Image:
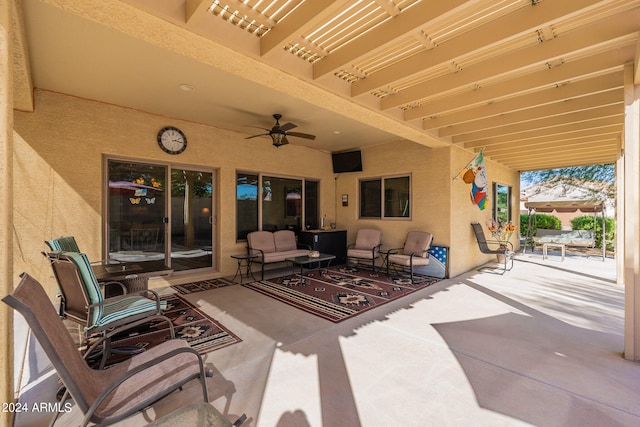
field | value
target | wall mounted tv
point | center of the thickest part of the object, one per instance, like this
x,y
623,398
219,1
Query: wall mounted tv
x,y
347,161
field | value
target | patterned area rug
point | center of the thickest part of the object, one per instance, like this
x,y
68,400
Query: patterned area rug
x,y
204,285
338,293
203,333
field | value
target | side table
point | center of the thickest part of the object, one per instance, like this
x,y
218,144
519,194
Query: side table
x,y
245,261
545,247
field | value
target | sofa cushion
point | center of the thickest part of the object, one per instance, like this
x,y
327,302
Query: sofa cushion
x,y
285,240
281,256
262,240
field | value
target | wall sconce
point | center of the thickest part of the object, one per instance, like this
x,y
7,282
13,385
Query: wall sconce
x,y
345,200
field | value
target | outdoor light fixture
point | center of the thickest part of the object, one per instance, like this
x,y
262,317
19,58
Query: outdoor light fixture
x,y
277,138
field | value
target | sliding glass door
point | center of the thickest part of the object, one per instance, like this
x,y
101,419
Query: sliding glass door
x,y
156,212
192,219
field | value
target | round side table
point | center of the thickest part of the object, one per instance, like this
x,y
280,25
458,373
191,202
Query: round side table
x,y
244,261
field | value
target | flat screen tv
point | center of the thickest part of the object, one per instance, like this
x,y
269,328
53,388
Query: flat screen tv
x,y
348,161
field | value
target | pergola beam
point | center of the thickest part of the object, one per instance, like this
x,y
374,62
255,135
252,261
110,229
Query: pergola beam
x,y
606,104
384,34
543,79
496,31
535,56
546,98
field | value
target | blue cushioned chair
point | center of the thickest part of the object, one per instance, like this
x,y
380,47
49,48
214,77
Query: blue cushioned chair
x,y
82,301
65,243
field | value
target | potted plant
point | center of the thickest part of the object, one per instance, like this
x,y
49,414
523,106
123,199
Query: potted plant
x,y
501,232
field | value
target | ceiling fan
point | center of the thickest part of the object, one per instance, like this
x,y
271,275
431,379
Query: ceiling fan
x,y
279,133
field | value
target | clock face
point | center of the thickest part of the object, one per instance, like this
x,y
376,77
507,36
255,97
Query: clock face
x,y
172,140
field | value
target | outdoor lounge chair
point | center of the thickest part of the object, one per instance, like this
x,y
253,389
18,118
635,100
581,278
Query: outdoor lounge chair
x,y
69,244
82,302
366,247
64,243
504,250
105,396
414,252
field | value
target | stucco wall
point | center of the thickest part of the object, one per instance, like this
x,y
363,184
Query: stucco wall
x,y
440,204
429,189
58,187
59,161
463,212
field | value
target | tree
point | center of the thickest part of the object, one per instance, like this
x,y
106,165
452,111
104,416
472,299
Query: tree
x,y
603,172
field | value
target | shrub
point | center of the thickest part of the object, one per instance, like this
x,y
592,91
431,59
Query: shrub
x,y
586,222
547,222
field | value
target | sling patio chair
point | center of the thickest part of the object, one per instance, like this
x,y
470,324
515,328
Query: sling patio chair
x,y
366,248
82,302
414,253
110,395
69,244
504,250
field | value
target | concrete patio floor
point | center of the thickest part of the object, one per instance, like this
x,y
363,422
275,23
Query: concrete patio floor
x,y
541,345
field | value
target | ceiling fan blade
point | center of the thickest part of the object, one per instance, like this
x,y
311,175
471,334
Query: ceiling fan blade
x,y
285,127
301,135
255,136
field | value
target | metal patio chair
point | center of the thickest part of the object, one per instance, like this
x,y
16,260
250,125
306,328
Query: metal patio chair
x,y
504,250
82,302
105,396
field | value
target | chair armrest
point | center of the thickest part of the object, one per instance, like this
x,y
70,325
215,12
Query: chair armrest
x,y
122,328
303,246
392,251
250,250
149,294
419,253
499,242
103,285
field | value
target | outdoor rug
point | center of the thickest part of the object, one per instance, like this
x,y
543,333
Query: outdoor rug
x,y
338,293
202,332
204,285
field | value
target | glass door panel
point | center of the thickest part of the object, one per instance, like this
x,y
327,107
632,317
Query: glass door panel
x,y
192,219
136,211
281,204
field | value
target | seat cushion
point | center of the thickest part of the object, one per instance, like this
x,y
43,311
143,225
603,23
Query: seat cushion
x,y
417,241
123,308
284,240
368,238
361,253
262,240
406,260
281,256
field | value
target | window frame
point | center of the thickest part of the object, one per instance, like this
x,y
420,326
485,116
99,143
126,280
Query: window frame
x,y
495,204
260,199
383,197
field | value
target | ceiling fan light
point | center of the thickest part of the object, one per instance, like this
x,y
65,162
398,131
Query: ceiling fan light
x,y
277,138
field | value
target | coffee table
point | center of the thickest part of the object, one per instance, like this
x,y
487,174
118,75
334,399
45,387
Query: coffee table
x,y
547,245
307,261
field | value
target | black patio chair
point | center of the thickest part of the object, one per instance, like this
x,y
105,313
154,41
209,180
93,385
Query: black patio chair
x,y
505,249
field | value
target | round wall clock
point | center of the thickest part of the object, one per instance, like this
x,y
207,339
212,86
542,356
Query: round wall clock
x,y
172,140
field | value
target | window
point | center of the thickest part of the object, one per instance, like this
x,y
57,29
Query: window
x,y
501,202
246,204
274,203
385,197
